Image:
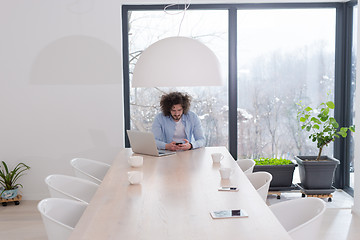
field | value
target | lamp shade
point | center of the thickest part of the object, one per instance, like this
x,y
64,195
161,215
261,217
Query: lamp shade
x,y
177,62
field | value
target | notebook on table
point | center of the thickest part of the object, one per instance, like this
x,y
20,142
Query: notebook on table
x,y
144,143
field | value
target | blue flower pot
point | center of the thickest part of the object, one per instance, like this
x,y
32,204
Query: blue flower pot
x,y
8,194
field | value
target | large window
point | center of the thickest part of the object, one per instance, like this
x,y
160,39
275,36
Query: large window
x,y
272,57
284,57
353,81
210,103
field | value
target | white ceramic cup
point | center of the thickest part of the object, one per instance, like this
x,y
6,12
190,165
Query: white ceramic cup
x,y
225,172
135,177
217,157
136,161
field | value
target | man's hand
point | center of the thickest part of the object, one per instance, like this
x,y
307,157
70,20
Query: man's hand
x,y
172,146
185,146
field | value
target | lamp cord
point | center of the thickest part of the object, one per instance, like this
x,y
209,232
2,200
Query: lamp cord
x,y
186,6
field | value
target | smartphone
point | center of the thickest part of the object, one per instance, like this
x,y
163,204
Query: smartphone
x,y
178,143
231,189
234,213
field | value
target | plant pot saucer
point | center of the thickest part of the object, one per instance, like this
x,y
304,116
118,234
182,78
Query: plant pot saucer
x,y
316,191
292,187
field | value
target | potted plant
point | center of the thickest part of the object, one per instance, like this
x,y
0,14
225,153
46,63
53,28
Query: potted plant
x,y
317,172
281,169
9,178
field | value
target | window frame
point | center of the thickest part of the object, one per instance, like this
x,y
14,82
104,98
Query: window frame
x,y
342,88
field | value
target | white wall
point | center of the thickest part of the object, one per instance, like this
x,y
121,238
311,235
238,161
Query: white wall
x,y
356,207
61,84
222,1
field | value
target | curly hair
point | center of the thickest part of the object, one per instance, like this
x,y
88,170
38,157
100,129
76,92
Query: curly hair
x,y
169,100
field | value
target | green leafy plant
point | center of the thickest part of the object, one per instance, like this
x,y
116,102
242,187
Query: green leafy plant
x,y
8,178
272,161
322,127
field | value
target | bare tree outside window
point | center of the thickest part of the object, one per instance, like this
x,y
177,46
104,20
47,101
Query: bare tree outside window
x,y
285,56
353,87
210,103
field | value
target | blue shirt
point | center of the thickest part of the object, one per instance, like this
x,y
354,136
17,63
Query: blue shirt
x,y
164,128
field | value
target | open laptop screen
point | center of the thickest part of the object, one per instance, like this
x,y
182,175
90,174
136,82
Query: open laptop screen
x,y
144,143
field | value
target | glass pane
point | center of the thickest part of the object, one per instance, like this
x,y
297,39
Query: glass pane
x,y
353,81
210,103
284,56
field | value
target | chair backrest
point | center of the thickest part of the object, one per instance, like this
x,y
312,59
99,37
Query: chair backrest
x,y
301,217
60,216
89,169
62,186
261,182
246,165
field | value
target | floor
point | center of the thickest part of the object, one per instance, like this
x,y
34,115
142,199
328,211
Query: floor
x,y
338,222
23,222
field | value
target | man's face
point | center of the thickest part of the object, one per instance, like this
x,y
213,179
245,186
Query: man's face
x,y
176,112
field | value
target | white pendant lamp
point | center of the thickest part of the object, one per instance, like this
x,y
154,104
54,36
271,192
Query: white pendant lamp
x,y
177,62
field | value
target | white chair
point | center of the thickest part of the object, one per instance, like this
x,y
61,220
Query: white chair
x,y
261,182
62,186
89,169
60,216
300,217
246,165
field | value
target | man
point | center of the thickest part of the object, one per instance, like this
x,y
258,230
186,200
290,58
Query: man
x,y
177,128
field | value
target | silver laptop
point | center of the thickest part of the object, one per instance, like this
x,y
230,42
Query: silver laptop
x,y
144,143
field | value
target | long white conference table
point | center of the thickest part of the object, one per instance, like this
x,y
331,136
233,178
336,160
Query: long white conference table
x,y
174,201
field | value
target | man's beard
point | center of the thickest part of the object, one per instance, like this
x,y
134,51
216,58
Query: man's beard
x,y
176,117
